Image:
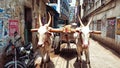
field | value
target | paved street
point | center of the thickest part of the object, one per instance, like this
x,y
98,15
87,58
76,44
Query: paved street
x,y
101,57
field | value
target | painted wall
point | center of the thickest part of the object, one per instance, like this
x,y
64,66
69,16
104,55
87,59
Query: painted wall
x,y
9,10
110,11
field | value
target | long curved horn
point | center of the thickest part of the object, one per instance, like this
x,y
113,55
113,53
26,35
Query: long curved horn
x,y
49,19
80,21
40,22
89,21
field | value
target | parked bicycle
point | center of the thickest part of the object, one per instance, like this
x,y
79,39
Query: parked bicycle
x,y
64,35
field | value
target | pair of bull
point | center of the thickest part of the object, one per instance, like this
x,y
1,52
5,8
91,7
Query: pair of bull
x,y
81,35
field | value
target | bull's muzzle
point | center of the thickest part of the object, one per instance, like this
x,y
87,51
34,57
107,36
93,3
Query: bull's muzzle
x,y
40,44
85,46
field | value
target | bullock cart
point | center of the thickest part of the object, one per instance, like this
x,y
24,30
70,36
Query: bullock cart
x,y
64,35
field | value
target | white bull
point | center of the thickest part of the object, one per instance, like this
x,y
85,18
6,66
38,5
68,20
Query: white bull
x,y
44,43
82,41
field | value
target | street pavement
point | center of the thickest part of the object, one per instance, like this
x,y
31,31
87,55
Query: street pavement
x,y
100,57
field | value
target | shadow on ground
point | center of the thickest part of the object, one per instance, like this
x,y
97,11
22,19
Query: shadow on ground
x,y
77,64
69,54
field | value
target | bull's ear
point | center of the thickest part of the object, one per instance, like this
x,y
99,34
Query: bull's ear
x,y
48,33
34,30
78,29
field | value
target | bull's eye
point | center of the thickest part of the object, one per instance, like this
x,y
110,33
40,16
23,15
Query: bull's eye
x,y
81,33
46,32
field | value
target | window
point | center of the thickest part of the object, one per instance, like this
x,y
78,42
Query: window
x,y
53,1
99,25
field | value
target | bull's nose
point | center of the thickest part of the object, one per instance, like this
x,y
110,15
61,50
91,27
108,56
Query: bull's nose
x,y
40,44
85,45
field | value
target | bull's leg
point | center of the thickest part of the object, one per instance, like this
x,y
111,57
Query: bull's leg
x,y
46,54
37,66
45,65
42,65
87,57
38,62
46,58
79,57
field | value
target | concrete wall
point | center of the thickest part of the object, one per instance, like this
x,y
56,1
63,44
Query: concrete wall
x,y
16,11
109,11
108,42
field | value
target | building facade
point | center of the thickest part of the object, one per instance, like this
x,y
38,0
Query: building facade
x,y
106,18
72,14
62,8
106,15
20,16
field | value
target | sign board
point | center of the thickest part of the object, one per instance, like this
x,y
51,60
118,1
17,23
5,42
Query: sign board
x,y
13,26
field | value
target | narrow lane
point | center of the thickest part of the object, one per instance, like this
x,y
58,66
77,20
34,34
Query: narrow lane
x,y
101,57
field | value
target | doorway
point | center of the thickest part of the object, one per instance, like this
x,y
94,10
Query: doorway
x,y
111,28
28,24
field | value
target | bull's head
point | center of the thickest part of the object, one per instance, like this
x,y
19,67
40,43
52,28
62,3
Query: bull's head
x,y
84,32
43,31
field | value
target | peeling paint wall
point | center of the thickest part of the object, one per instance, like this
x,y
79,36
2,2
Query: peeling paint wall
x,y
109,11
14,10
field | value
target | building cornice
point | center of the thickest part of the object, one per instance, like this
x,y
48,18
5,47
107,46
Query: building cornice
x,y
98,10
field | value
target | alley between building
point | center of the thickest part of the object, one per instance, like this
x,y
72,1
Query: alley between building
x,y
100,56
